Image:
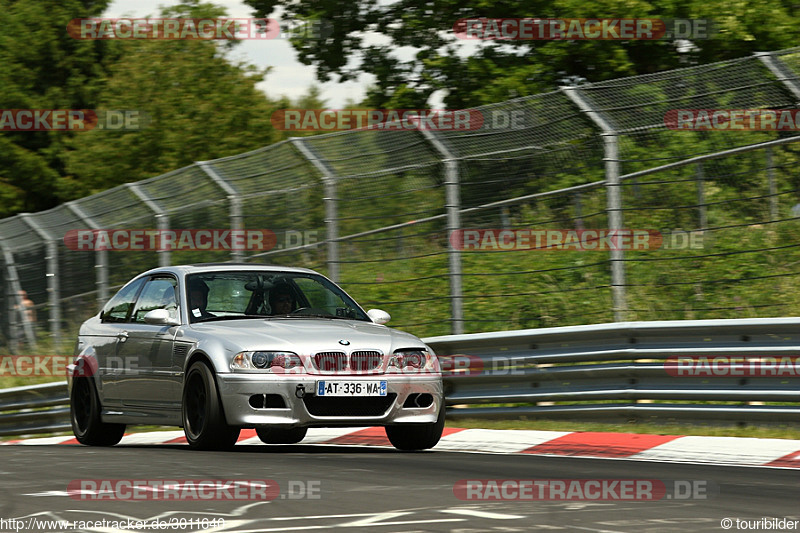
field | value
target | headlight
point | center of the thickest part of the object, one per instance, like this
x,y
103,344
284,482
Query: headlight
x,y
412,360
265,360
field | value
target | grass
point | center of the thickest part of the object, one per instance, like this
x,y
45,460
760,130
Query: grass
x,y
10,371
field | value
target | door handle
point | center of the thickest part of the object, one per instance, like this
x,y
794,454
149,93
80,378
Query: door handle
x,y
122,336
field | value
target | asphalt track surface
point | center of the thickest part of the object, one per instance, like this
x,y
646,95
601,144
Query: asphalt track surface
x,y
359,488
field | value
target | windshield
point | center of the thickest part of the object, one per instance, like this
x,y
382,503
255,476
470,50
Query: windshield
x,y
231,295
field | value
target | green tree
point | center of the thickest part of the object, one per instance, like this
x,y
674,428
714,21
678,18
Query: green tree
x,y
311,100
197,104
41,67
499,70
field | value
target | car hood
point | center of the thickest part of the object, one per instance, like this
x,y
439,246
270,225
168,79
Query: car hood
x,y
305,336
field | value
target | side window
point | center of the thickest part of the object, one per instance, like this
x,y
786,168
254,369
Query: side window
x,y
118,308
158,293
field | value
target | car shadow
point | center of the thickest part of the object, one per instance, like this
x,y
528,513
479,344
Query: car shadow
x,y
277,448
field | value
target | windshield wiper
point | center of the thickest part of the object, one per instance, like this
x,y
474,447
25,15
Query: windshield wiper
x,y
227,317
315,315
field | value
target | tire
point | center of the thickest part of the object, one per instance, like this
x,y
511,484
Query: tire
x,y
84,414
203,419
411,437
272,435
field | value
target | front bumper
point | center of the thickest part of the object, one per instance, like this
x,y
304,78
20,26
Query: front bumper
x,y
236,390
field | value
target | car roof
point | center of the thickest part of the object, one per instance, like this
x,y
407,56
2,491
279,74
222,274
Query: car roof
x,y
225,267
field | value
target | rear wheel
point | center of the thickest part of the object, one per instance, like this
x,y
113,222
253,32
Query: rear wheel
x,y
270,435
410,437
203,420
87,424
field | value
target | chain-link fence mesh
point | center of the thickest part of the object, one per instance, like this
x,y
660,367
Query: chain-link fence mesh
x,y
379,211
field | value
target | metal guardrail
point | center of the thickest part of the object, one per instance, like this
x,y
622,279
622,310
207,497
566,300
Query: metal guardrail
x,y
602,371
620,371
34,409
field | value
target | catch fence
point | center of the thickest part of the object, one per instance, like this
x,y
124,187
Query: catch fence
x,y
381,212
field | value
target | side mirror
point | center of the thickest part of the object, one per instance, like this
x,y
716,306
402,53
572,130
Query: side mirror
x,y
378,316
159,317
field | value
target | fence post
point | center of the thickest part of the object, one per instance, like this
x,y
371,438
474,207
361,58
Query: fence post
x,y
773,189
100,256
453,206
613,194
15,309
789,79
701,196
161,216
237,219
51,245
331,204
576,202
782,72
11,297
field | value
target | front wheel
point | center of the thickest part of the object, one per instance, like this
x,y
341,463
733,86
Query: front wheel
x,y
273,435
411,437
84,413
203,420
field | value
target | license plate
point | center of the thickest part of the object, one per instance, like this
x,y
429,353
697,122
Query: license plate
x,y
351,388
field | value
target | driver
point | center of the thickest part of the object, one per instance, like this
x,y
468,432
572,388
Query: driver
x,y
281,300
198,299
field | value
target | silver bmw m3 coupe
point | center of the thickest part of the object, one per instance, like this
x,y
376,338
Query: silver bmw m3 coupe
x,y
216,348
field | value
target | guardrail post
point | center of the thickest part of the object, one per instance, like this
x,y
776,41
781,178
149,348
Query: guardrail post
x,y
161,216
236,217
613,195
100,256
51,245
328,177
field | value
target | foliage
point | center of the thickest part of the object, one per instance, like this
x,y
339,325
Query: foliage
x,y
195,103
365,37
41,67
